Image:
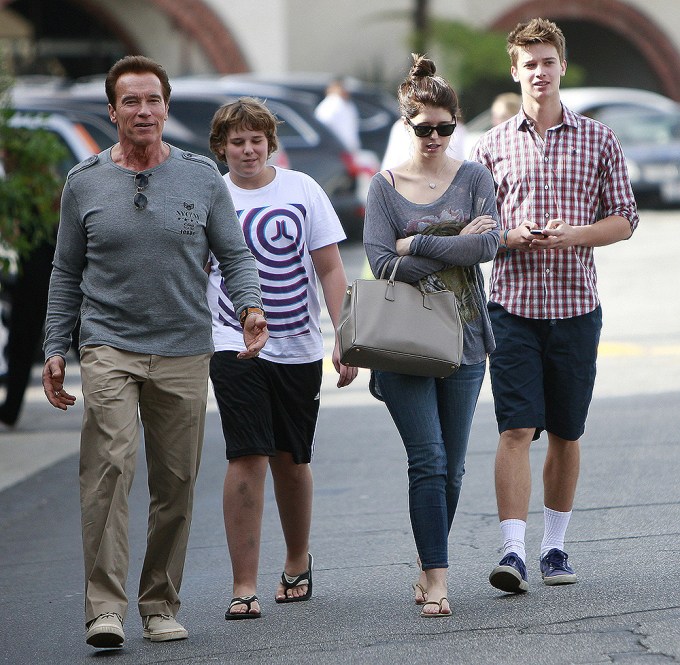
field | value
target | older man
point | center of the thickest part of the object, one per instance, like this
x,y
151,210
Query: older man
x,y
137,223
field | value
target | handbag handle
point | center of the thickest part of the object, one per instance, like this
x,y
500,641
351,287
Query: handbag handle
x,y
389,288
394,270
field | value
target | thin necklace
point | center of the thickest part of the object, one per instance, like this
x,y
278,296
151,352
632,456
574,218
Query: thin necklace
x,y
433,184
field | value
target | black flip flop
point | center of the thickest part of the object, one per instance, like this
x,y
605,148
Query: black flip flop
x,y
303,579
242,600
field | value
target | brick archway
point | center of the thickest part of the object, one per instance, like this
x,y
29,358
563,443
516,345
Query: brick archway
x,y
620,18
194,17
200,21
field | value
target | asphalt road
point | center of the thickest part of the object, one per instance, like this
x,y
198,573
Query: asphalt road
x,y
623,539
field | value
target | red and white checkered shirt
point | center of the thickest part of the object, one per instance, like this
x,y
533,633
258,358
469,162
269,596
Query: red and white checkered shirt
x,y
577,174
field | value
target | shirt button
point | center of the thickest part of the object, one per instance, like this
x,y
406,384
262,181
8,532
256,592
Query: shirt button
x,y
547,215
546,187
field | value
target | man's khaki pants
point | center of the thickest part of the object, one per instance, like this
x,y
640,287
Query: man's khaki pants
x,y
169,394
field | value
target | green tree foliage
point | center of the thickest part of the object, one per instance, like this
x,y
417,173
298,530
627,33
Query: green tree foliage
x,y
30,187
469,55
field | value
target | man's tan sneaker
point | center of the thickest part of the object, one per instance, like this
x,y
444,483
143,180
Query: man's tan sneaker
x,y
163,628
106,631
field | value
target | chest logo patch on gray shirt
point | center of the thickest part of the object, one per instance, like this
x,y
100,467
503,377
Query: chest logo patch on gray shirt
x,y
184,217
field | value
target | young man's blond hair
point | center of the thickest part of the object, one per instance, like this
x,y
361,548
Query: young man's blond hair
x,y
535,31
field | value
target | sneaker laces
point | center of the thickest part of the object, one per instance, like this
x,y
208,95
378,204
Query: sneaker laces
x,y
557,559
163,617
106,615
110,615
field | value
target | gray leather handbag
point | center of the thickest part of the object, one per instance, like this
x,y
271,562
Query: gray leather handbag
x,y
395,327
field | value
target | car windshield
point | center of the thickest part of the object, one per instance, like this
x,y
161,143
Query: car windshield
x,y
639,127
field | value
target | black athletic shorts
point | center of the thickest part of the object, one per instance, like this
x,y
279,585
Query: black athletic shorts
x,y
266,406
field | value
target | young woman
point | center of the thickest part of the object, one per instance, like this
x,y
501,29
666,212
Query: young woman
x,y
269,404
439,213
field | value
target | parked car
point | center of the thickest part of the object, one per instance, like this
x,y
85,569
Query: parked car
x,y
651,144
593,102
306,144
310,146
378,110
75,138
91,111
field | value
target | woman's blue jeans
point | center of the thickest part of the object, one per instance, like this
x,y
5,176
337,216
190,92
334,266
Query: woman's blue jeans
x,y
434,417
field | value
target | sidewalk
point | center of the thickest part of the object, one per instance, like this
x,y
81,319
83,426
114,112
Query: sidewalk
x,y
623,540
44,436
623,543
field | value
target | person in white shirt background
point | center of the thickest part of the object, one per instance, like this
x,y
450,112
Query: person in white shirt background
x,y
339,113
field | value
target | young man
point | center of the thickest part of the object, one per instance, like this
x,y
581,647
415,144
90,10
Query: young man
x,y
137,223
562,189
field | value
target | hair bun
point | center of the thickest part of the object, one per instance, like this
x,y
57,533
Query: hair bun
x,y
422,66
422,87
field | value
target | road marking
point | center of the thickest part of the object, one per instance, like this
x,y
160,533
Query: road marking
x,y
621,349
605,350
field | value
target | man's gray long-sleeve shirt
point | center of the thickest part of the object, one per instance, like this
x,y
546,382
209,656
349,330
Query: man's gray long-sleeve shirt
x,y
135,277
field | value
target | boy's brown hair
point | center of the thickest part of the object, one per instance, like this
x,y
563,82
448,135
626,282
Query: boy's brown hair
x,y
535,31
245,113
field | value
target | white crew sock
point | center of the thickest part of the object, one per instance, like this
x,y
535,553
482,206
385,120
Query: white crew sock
x,y
556,524
513,537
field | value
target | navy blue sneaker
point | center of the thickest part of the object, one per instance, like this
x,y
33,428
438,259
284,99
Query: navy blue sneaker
x,y
555,569
510,574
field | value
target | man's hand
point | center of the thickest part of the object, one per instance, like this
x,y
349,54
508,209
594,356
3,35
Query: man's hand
x,y
255,335
557,234
521,239
53,377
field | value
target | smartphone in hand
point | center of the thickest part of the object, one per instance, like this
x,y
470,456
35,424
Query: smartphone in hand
x,y
537,232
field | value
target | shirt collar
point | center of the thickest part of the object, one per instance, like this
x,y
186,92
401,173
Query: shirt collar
x,y
568,117
523,122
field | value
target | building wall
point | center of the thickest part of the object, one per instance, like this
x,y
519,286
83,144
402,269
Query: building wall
x,y
140,21
195,36
364,38
351,37
262,29
363,35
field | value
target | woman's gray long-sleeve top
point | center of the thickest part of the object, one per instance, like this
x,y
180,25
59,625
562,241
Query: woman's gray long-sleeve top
x,y
439,257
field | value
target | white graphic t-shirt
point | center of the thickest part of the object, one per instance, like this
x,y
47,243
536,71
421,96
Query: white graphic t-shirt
x,y
282,223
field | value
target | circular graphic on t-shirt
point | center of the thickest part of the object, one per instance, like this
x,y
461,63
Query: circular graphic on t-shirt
x,y
275,237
